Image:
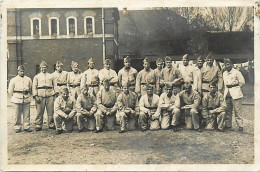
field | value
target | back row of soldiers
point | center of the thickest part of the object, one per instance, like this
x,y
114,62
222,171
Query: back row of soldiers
x,y
159,98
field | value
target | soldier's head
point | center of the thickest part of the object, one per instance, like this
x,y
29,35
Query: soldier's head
x,y
74,67
127,62
21,70
185,60
65,93
209,60
43,67
175,90
107,63
228,64
146,63
106,84
168,62
91,63
168,89
125,87
58,66
149,89
84,90
187,87
159,63
213,88
200,62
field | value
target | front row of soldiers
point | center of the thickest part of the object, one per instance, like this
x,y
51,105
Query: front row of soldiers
x,y
152,99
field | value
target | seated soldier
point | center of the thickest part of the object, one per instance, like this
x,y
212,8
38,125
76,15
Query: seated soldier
x,y
86,108
190,101
106,102
127,109
149,112
213,107
64,111
169,105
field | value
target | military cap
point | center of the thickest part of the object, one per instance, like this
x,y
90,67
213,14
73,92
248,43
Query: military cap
x,y
227,60
91,60
146,60
168,85
167,58
127,59
43,63
185,56
187,84
200,58
209,56
21,67
74,64
159,60
58,63
107,61
106,82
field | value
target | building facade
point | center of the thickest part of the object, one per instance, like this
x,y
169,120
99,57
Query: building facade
x,y
62,35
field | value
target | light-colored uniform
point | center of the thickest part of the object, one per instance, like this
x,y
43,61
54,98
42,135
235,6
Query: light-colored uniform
x,y
44,86
86,104
144,77
217,104
197,80
110,75
73,83
187,72
233,96
151,104
191,115
174,102
61,79
170,75
90,77
125,76
124,101
62,108
20,89
157,73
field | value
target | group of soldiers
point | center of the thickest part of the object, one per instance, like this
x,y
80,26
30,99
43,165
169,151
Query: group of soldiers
x,y
196,96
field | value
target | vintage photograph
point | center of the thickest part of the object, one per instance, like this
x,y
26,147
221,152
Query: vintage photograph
x,y
122,85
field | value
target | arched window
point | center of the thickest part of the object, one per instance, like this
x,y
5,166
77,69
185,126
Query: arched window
x,y
35,26
54,29
71,26
89,25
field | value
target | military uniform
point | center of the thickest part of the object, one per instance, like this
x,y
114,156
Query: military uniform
x,y
144,77
186,71
197,81
74,84
20,89
60,77
110,75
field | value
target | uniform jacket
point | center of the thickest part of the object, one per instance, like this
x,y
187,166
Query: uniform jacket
x,y
145,105
106,99
87,102
187,72
197,79
144,77
89,77
210,74
127,76
192,99
61,78
174,100
60,105
169,75
107,74
73,79
129,100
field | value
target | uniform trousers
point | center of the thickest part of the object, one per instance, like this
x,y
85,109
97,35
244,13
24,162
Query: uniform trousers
x,y
75,92
166,117
19,109
63,124
102,118
83,119
237,105
145,121
126,121
191,118
220,117
93,90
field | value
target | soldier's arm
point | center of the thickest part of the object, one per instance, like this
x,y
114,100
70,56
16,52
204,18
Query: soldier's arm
x,y
196,102
73,111
138,84
34,86
114,108
222,106
57,108
94,107
83,80
241,80
177,103
11,87
141,105
220,80
137,109
205,107
68,80
54,83
99,103
120,78
30,85
114,78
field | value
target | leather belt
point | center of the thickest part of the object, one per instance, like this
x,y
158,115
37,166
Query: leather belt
x,y
61,84
74,86
45,87
93,85
148,83
206,82
24,92
230,86
204,90
151,108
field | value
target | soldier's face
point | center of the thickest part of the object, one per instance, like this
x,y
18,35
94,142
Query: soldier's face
x,y
75,69
65,95
199,63
44,69
187,89
159,65
21,73
59,68
107,66
168,91
106,86
91,65
228,66
169,64
175,91
212,89
125,89
127,64
185,61
149,91
210,62
146,65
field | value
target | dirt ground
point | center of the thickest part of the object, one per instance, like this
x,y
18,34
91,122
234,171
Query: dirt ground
x,y
151,147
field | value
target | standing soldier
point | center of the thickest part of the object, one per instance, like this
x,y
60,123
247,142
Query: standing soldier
x,y
128,109
149,112
127,74
20,88
210,74
197,75
86,108
190,101
169,106
60,76
157,72
64,111
213,108
233,81
74,79
186,69
108,74
170,75
90,78
144,77
106,102
44,89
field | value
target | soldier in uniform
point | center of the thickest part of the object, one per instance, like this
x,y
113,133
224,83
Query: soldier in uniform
x,y
60,76
86,109
145,76
73,80
169,106
233,81
157,72
108,74
128,109
44,89
197,75
127,74
213,108
149,112
210,74
20,88
190,101
186,69
90,78
106,103
170,75
64,111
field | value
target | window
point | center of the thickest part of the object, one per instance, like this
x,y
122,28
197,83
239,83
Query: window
x,y
53,26
35,27
71,26
89,25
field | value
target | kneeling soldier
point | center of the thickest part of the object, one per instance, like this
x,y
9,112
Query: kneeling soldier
x,y
128,109
64,111
149,112
106,102
86,108
169,105
213,108
190,101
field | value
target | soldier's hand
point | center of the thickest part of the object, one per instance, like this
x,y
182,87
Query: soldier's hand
x,y
67,117
107,113
37,99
